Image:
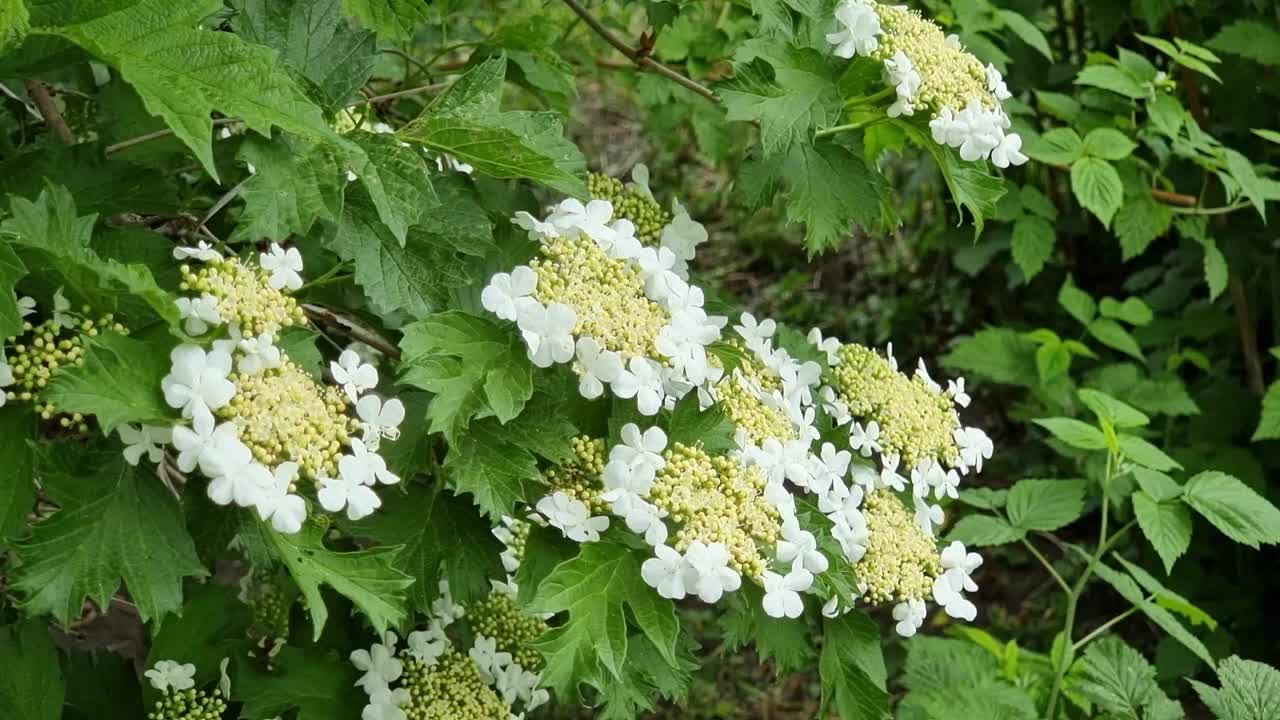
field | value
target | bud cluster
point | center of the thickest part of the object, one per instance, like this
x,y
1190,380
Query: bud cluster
x,y
579,478
901,561
244,296
632,203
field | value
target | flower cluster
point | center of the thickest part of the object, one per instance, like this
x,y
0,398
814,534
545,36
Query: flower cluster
x,y
259,424
42,351
634,202
180,699
621,312
931,71
432,678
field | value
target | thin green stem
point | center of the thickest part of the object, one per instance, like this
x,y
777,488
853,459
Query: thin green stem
x,y
1103,628
869,99
1222,210
848,127
1047,565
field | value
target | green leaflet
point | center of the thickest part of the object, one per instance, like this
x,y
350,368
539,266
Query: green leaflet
x,y
1250,691
369,578
128,528
119,382
1045,504
295,184
594,588
1234,508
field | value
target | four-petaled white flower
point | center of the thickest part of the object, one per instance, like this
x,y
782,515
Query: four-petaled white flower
x,y
204,443
889,476
591,219
830,346
572,517
203,252
682,236
858,29
348,491
380,665
829,469
955,580
168,675
865,440
665,572
641,516
353,374
239,479
26,306
995,83
975,447
928,516
507,294
599,367
756,334
284,266
278,504
145,439
258,354
657,267
428,645
922,372
365,466
955,388
199,314
909,615
850,530
379,419
901,73
488,658
708,571
782,592
642,381
1008,152
63,317
548,333
642,452
387,704
198,380
800,548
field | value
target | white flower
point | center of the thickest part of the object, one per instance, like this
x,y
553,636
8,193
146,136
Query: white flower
x,y
682,236
387,704
514,683
572,517
285,510
866,477
830,346
995,83
927,516
168,675
203,252
506,294
858,28
443,608
657,269
708,572
537,229
204,444
365,466
231,343
800,548
910,616
922,372
640,180
950,586
850,530
798,380
1008,152
198,314
948,485
955,388
901,73
955,559
488,658
353,374
62,315
984,131
947,129
145,439
238,478
975,447
830,468
623,245
782,593
284,266
889,476
591,219
259,354
198,380
842,505
925,476
380,665
428,645
756,334
599,366
641,517
641,451
834,406
643,381
548,333
665,572
348,491
379,419
26,306
865,440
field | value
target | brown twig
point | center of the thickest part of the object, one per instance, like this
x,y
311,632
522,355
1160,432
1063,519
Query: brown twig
x,y
49,111
403,93
1248,338
638,56
352,329
1173,198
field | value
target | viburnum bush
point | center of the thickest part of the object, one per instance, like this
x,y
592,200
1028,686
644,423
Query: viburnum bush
x,y
336,385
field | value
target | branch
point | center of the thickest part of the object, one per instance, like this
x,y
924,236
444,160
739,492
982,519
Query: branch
x,y
49,110
1173,198
1248,336
325,316
638,56
402,93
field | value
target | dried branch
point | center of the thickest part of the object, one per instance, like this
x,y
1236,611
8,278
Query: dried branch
x,y
49,111
352,329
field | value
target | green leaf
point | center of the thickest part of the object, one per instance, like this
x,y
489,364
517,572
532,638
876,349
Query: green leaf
x,y
1026,32
596,589
15,22
399,174
183,73
1108,144
1097,186
1145,454
984,498
119,382
1268,135
786,643
1234,508
831,189
314,40
124,527
710,428
1059,146
1045,504
1133,310
466,122
1156,484
1033,239
1112,334
1250,690
852,667
1251,39
1167,598
999,354
1130,591
1269,422
31,686
17,480
1139,221
1053,360
369,578
1121,415
1077,302
393,19
1216,271
295,184
320,685
484,463
985,531
1166,525
1074,433
797,98
1166,114
11,271
439,533
1115,78
1251,186
214,624
1116,677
